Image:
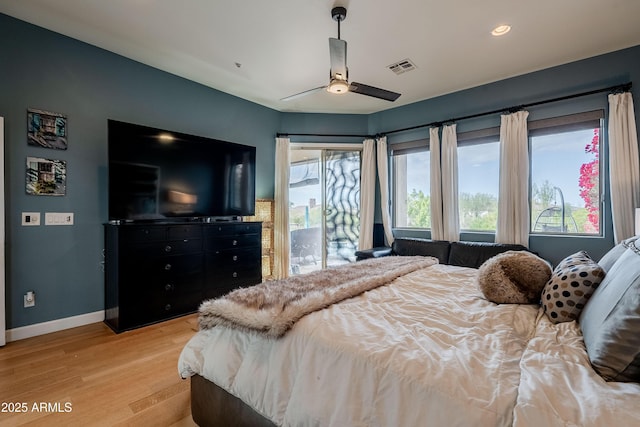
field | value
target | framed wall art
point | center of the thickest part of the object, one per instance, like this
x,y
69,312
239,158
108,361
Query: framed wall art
x,y
46,129
46,177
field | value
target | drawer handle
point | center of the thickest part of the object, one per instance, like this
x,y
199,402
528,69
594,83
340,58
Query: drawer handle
x,y
167,267
235,242
167,248
168,287
235,257
167,307
235,274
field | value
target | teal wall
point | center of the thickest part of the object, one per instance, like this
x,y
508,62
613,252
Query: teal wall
x,y
577,77
44,70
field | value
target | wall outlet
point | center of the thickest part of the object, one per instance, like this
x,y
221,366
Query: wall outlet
x,y
30,218
58,218
29,299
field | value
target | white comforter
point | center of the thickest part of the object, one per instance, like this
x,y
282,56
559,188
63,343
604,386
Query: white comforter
x,y
427,349
559,388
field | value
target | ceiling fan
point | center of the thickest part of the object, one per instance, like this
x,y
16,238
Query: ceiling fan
x,y
339,73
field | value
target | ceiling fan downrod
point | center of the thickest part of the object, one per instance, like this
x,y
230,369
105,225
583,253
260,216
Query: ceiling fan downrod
x,y
338,14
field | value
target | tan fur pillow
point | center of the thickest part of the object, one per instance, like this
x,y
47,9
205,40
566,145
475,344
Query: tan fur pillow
x,y
515,277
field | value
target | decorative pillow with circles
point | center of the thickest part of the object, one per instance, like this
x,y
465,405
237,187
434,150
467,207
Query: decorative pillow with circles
x,y
571,285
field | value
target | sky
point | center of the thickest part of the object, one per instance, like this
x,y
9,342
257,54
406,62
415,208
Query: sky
x,y
556,158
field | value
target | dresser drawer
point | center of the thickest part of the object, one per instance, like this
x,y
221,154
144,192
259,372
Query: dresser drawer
x,y
177,232
144,234
176,305
168,286
227,281
233,259
215,230
166,247
237,241
167,267
158,307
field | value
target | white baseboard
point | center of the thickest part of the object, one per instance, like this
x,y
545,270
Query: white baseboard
x,y
53,326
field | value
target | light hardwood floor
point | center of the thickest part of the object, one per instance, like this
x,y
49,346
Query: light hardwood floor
x,y
90,376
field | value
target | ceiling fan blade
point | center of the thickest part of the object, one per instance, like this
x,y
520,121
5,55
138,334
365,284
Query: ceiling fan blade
x,y
301,94
363,89
338,56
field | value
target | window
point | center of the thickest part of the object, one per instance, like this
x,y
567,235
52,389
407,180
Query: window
x,y
478,182
565,178
565,174
411,181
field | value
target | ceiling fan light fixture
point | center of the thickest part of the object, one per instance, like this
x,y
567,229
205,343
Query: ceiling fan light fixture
x,y
501,30
338,86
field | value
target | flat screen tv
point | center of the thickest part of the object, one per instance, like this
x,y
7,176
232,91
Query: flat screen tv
x,y
159,175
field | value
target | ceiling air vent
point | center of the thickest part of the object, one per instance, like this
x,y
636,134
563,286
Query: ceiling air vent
x,y
402,66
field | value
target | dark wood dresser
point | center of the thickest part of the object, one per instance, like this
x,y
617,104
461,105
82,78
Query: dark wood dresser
x,y
155,272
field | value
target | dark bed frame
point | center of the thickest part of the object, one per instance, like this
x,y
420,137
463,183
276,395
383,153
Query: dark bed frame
x,y
213,406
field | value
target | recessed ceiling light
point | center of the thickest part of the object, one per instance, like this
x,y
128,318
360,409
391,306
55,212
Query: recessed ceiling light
x,y
166,138
501,30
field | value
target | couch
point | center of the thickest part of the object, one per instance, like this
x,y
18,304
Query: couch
x,y
463,254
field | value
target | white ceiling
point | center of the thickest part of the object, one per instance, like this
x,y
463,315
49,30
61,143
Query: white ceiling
x,y
282,46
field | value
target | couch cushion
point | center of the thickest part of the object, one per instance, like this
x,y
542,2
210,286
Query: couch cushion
x,y
610,322
474,254
515,277
571,285
424,247
377,252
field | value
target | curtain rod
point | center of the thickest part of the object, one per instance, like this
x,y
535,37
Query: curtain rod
x,y
284,135
625,87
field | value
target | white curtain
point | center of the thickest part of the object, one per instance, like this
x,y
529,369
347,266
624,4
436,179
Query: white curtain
x,y
513,197
623,165
449,169
383,177
281,220
367,194
437,222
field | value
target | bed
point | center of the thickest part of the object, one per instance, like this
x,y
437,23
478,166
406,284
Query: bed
x,y
426,348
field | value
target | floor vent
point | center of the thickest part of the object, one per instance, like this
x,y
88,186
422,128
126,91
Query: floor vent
x,y
402,66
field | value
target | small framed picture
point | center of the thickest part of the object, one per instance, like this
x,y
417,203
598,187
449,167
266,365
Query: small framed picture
x,y
45,129
46,177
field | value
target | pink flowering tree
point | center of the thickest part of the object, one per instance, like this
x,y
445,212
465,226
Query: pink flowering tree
x,y
588,183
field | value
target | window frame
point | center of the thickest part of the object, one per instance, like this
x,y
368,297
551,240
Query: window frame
x,y
397,149
478,137
562,124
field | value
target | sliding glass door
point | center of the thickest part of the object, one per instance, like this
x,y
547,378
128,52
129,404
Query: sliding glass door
x,y
324,195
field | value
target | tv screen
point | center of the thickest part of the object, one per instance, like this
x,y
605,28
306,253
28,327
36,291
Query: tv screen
x,y
159,175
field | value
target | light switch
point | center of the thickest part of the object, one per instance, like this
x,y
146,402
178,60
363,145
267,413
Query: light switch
x,y
58,218
30,218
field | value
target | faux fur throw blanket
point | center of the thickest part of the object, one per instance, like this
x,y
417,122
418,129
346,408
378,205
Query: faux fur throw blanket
x,y
273,307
